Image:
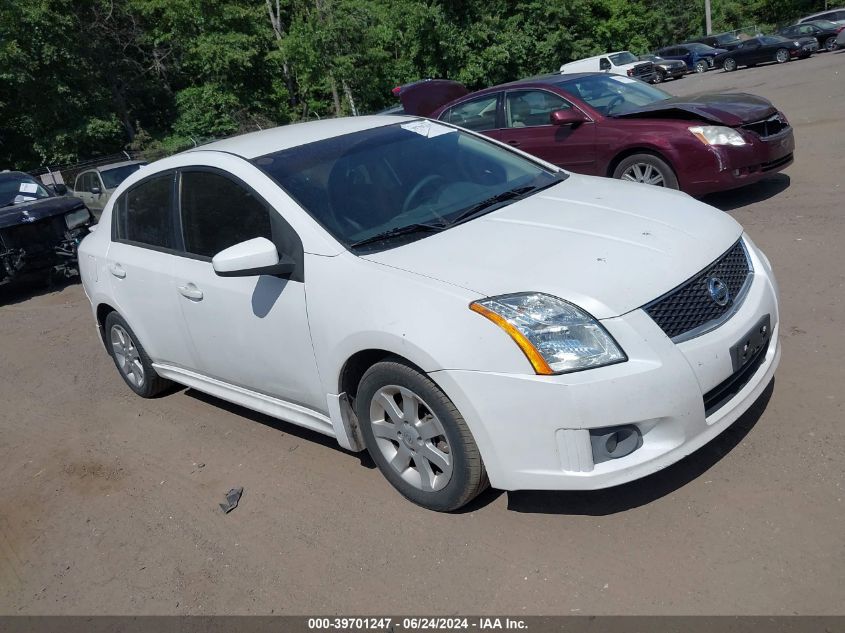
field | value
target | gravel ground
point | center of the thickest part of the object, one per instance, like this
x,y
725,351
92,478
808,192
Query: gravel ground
x,y
108,503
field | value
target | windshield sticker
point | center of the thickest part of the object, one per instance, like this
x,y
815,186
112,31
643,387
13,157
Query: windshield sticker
x,y
429,129
624,80
28,187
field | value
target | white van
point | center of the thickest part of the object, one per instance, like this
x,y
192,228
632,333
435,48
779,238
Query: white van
x,y
618,63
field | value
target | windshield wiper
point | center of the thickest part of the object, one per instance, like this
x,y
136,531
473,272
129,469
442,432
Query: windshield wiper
x,y
399,231
487,205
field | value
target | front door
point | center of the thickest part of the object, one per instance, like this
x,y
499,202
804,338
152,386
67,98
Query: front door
x,y
252,331
528,127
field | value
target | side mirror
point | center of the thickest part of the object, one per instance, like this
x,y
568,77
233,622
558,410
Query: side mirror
x,y
570,116
95,190
257,256
60,189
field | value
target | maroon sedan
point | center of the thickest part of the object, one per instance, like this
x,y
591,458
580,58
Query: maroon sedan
x,y
609,125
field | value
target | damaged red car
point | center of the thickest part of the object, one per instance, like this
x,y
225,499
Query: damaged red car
x,y
609,125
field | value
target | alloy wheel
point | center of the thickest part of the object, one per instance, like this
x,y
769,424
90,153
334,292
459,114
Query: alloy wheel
x,y
701,66
127,357
645,173
411,438
730,64
782,56
830,44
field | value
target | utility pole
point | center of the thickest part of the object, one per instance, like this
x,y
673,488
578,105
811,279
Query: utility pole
x,y
707,21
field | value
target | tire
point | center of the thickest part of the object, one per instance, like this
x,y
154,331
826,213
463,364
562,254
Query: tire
x,y
782,56
830,43
130,358
701,66
729,64
659,77
645,168
404,419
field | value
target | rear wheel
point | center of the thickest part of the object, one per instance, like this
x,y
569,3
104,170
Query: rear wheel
x,y
417,437
647,169
659,77
701,66
830,43
782,56
132,362
729,65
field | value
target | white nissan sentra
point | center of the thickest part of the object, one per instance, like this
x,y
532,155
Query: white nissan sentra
x,y
463,311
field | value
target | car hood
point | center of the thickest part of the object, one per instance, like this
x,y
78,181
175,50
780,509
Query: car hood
x,y
605,245
732,109
26,212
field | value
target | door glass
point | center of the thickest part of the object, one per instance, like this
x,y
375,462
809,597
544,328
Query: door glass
x,y
145,213
529,108
476,115
218,213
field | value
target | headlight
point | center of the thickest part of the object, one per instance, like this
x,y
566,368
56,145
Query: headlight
x,y
76,218
554,335
797,43
717,135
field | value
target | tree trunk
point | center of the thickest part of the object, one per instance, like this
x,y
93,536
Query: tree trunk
x,y
335,95
349,98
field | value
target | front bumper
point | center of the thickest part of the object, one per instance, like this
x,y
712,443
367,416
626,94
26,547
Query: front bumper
x,y
533,431
729,167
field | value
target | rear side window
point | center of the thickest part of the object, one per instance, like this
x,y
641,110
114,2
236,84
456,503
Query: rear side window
x,y
217,213
145,213
477,115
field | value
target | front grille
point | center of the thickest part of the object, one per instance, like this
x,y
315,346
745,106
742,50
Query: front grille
x,y
719,395
772,126
37,236
690,306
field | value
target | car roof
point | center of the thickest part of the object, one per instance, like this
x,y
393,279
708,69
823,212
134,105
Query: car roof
x,y
255,144
812,16
8,175
586,59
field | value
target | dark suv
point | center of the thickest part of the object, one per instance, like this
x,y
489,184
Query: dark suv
x,y
39,229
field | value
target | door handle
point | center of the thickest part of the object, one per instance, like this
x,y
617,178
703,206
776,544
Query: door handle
x,y
514,143
117,271
190,291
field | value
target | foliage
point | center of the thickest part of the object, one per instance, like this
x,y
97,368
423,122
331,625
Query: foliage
x,y
80,78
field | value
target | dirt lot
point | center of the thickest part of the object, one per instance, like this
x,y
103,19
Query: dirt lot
x,y
108,503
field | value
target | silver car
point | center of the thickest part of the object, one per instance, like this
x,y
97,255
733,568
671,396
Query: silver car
x,y
95,186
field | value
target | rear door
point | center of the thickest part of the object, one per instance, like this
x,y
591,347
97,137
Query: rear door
x,y
140,267
527,127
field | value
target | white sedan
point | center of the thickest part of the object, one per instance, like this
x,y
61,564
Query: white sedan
x,y
463,311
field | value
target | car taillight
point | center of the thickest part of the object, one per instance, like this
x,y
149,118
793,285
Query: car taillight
x,y
396,91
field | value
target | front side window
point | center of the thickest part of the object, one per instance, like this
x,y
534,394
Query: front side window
x,y
530,108
218,213
410,175
620,59
613,94
145,213
477,115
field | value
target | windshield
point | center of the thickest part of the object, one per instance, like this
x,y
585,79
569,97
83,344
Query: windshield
x,y
113,177
613,94
769,39
726,38
17,188
699,48
620,59
413,173
825,24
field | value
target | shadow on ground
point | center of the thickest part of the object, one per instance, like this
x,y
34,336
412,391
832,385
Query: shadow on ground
x,y
648,489
27,289
736,198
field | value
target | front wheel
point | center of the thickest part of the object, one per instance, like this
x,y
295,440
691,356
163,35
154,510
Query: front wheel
x,y
647,169
830,43
729,65
417,437
782,56
659,77
701,66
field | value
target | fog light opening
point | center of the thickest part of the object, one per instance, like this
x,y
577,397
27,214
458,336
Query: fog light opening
x,y
614,442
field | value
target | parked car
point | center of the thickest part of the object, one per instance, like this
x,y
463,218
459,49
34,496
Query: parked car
x,y
665,68
727,41
431,334
825,32
831,15
607,125
763,49
697,57
95,186
619,63
39,229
